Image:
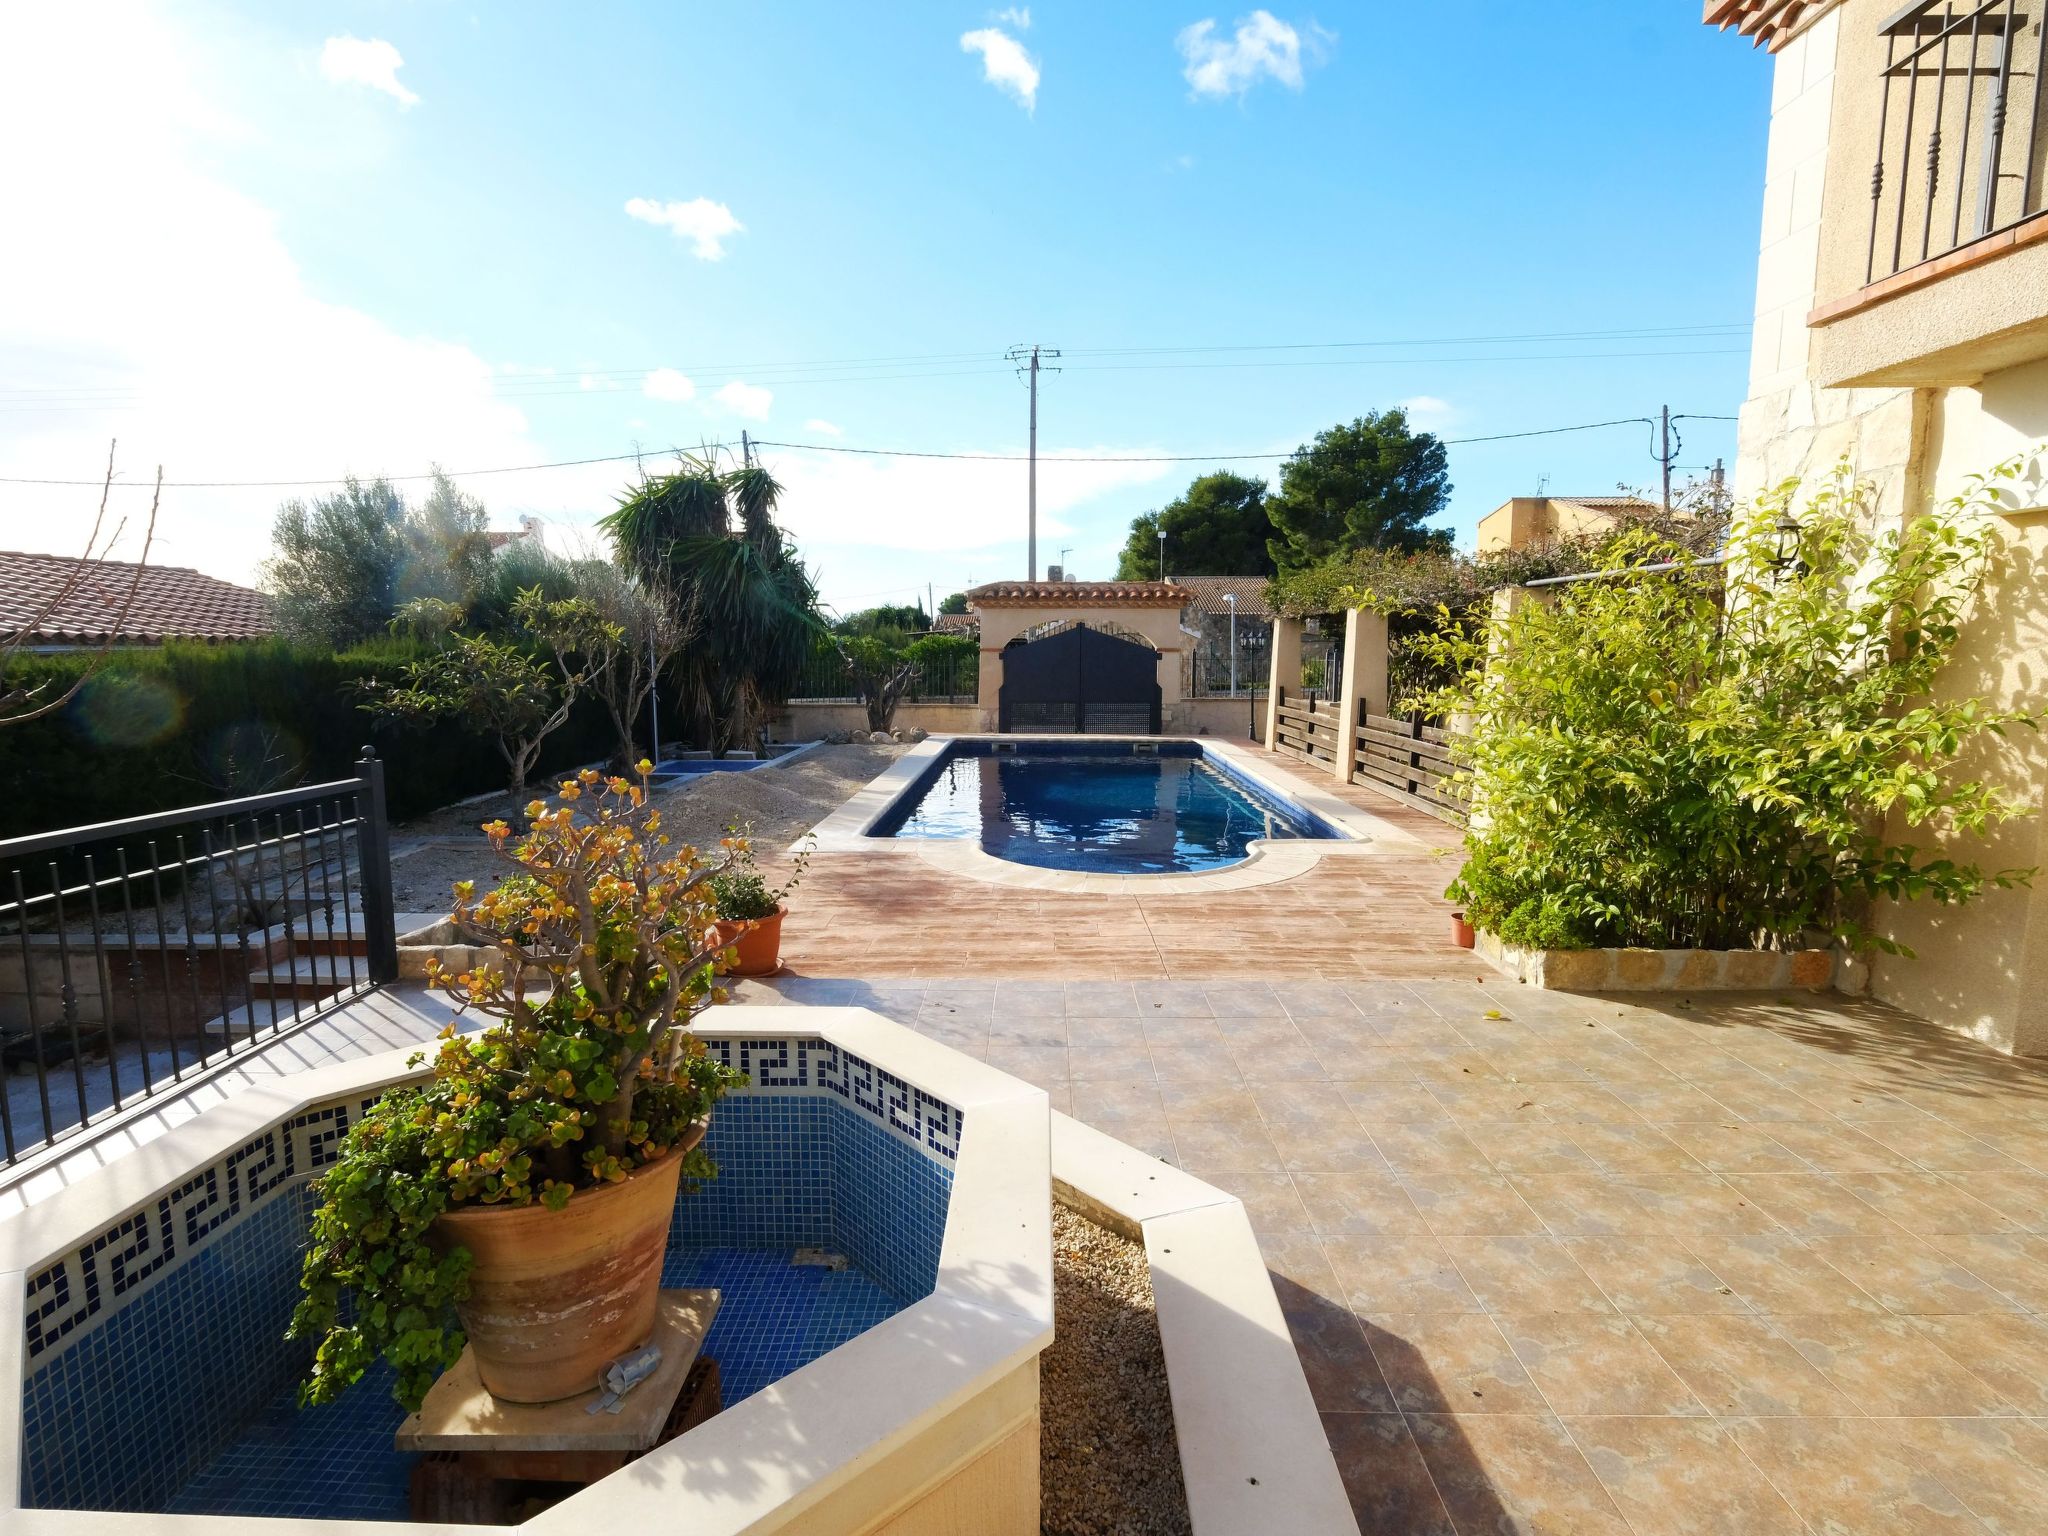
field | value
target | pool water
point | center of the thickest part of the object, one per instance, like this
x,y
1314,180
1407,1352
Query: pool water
x,y
1107,812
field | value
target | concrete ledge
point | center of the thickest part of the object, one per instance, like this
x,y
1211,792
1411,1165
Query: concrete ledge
x,y
1253,1456
1659,970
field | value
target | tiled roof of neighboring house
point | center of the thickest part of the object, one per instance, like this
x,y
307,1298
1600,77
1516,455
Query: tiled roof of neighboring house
x,y
171,603
1612,503
1079,594
950,621
498,538
1770,22
1209,590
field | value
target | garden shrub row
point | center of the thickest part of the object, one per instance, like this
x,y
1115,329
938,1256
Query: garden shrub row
x,y
189,723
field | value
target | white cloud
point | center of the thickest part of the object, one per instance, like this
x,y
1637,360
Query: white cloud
x,y
703,223
1425,408
1263,47
829,428
1018,16
667,384
365,61
207,349
748,400
1004,64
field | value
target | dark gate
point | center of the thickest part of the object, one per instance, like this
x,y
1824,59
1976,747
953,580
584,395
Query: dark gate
x,y
1081,680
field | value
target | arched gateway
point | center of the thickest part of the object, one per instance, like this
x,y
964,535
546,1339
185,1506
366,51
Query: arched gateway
x,y
1102,656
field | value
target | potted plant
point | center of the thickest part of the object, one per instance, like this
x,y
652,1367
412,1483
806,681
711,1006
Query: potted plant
x,y
520,1197
750,910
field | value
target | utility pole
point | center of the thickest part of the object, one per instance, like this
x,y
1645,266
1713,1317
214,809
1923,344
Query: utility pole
x,y
1028,362
747,451
1664,457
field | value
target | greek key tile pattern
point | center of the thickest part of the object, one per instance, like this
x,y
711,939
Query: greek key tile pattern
x,y
808,1066
104,1274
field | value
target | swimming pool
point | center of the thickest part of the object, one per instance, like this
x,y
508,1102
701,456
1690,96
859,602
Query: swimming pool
x,y
1140,808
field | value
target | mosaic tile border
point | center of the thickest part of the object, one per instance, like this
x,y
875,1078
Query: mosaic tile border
x,y
107,1271
807,1064
70,1297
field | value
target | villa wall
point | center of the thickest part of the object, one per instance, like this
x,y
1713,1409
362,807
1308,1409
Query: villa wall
x,y
1982,970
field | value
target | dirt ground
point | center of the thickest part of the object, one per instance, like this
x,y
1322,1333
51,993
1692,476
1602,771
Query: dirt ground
x,y
430,854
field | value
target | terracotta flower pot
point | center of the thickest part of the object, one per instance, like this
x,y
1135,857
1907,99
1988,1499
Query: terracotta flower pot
x,y
726,933
555,1296
1462,933
760,946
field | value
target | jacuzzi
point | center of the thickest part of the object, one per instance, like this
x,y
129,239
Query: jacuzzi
x,y
142,1310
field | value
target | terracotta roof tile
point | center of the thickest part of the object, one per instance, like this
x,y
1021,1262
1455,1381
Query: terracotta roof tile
x,y
171,603
1088,594
1208,592
1770,22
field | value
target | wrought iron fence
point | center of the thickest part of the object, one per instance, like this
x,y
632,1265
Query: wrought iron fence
x,y
138,955
939,680
1959,130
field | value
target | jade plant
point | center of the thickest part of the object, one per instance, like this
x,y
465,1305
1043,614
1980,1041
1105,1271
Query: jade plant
x,y
598,951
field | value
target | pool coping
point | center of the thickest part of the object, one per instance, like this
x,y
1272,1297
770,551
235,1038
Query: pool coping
x,y
989,1313
1268,860
1254,1456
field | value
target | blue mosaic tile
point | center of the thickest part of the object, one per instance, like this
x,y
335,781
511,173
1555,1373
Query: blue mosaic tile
x,y
180,1394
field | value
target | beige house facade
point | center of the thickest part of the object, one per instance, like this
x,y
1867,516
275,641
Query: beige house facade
x,y
1902,324
1522,521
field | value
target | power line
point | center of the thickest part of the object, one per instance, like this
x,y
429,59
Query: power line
x,y
841,448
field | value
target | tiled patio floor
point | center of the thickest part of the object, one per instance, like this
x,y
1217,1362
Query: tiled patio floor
x,y
1568,1264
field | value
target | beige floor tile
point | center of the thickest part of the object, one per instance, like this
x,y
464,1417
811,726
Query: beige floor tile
x,y
1682,1477
2008,1352
1778,1272
1207,1146
1888,1366
1450,1362
1998,1468
1471,1205
1925,1203
1909,1274
1514,1473
2015,1264
1684,1203
1525,1274
1392,1492
1625,1148
1586,1363
1376,1103
1343,1375
1726,1146
1398,1274
1269,1197
2022,1198
1368,1204
1043,1066
1329,1147
1653,1275
1814,1204
1531,1149
1584,1205
1422,1149
1742,1365
1846,1477
1832,1146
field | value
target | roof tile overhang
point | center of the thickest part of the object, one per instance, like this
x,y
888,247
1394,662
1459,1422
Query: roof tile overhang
x,y
1079,594
1770,22
63,600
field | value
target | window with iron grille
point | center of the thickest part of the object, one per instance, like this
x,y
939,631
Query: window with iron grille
x,y
1960,127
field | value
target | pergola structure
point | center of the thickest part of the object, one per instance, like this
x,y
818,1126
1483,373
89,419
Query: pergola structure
x,y
1012,611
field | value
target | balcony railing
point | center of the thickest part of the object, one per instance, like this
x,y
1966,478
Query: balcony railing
x,y
1960,153
139,955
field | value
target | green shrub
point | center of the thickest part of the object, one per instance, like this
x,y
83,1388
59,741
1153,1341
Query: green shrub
x,y
188,723
1719,758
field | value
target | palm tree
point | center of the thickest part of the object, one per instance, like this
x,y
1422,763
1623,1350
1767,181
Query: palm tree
x,y
741,591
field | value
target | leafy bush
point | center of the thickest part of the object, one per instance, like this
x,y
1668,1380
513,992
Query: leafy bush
x,y
741,893
600,960
186,723
1656,760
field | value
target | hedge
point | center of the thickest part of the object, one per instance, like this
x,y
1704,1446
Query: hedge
x,y
188,723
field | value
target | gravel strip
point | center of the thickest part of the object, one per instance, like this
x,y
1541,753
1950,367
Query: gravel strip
x,y
1109,1464
429,855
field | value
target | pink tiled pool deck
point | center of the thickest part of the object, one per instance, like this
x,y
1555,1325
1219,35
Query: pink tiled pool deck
x,y
1748,1264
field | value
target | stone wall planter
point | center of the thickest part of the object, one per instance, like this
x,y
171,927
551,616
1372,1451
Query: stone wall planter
x,y
1659,970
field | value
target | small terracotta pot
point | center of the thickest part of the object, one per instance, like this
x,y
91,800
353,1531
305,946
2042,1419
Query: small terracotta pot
x,y
555,1296
1462,933
760,946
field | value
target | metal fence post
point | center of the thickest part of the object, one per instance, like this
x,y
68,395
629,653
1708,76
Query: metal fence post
x,y
380,923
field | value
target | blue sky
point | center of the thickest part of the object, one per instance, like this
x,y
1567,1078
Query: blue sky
x,y
287,242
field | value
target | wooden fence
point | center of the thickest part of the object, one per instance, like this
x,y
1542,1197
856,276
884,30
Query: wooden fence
x,y
1307,728
1408,760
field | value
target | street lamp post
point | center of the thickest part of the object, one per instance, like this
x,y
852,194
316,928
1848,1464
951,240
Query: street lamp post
x,y
1230,598
1162,554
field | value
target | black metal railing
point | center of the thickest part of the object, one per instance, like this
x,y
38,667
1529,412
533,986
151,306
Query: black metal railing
x,y
137,955
951,679
1960,152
